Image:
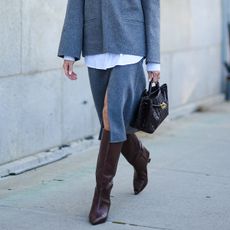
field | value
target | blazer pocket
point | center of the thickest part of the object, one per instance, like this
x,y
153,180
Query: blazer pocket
x,y
91,10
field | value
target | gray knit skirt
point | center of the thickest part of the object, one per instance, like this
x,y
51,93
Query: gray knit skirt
x,y
125,85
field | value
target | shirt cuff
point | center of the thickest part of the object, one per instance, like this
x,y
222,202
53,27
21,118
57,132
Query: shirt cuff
x,y
153,67
68,58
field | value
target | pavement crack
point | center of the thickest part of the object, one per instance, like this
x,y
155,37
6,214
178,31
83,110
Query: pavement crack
x,y
138,225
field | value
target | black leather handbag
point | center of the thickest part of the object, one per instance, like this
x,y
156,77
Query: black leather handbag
x,y
153,108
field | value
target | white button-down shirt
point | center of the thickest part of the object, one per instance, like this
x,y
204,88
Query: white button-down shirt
x,y
109,60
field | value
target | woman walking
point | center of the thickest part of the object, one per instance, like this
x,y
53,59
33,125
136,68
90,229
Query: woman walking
x,y
114,37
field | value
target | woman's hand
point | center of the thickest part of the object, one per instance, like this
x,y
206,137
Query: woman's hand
x,y
68,69
154,75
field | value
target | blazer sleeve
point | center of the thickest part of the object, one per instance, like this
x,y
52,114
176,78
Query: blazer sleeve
x,y
72,31
151,9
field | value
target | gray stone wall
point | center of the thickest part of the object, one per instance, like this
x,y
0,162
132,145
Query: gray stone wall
x,y
41,109
191,49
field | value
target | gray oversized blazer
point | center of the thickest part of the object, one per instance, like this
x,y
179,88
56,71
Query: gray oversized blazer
x,y
115,26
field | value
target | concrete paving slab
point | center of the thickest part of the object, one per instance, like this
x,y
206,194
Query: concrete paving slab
x,y
188,186
37,219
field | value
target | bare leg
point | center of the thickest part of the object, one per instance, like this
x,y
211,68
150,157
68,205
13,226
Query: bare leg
x,y
105,113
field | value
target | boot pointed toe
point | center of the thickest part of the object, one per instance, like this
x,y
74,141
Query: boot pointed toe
x,y
94,220
139,186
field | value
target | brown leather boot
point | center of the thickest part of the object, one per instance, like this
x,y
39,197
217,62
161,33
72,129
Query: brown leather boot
x,y
107,161
138,156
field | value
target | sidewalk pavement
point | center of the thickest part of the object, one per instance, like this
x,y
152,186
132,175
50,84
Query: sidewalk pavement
x,y
189,184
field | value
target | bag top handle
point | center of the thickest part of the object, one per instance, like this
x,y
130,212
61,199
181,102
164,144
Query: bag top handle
x,y
150,85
